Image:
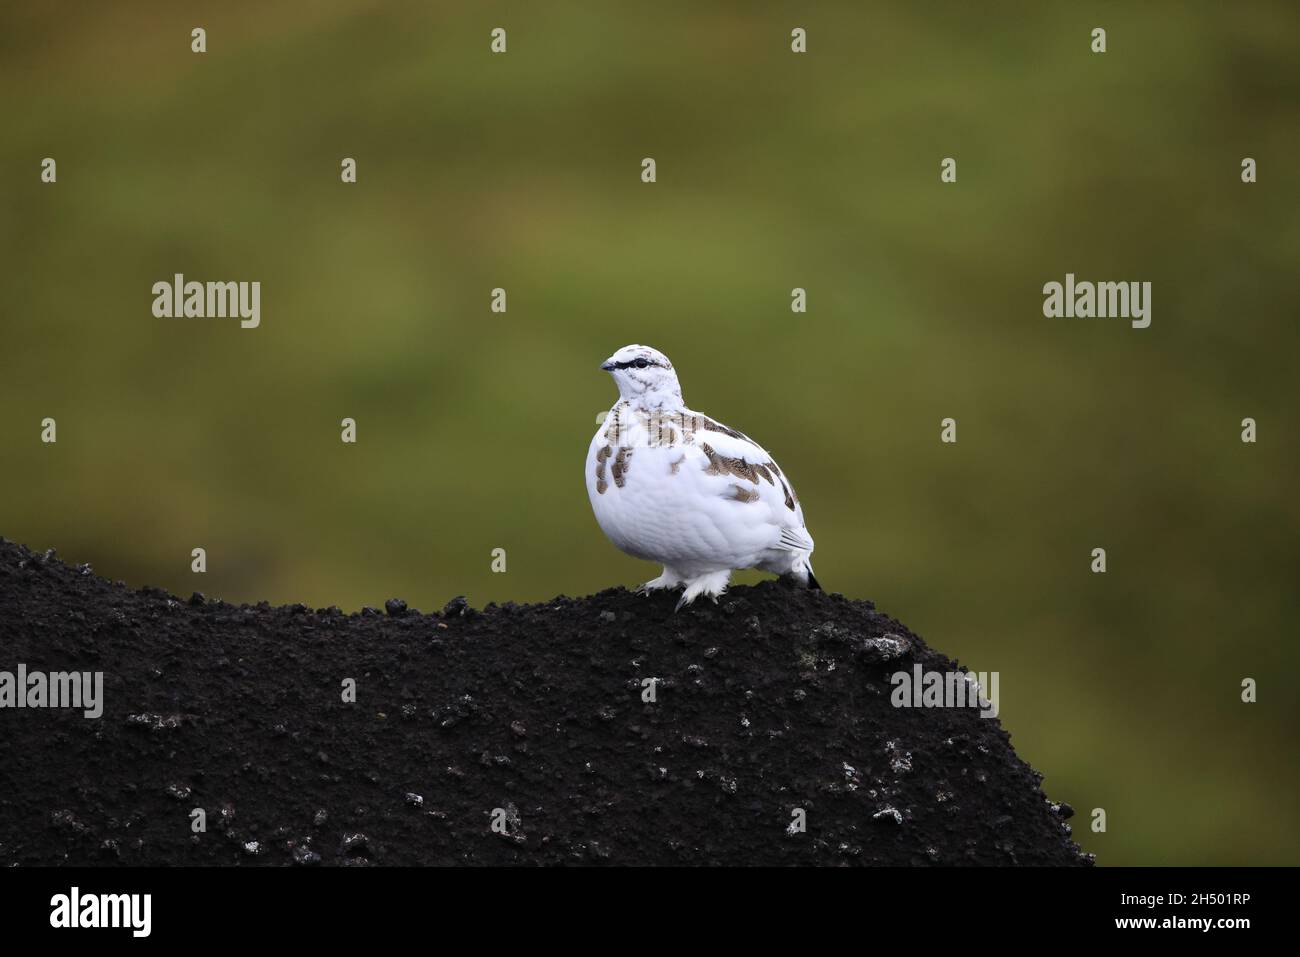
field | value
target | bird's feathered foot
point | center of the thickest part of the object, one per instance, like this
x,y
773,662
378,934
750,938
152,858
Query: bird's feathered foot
x,y
666,580
712,584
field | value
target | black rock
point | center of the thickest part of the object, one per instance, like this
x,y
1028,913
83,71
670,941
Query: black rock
x,y
305,857
534,706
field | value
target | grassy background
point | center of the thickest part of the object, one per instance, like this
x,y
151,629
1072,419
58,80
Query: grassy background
x,y
775,171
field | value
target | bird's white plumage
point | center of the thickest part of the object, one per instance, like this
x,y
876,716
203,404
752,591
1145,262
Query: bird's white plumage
x,y
677,487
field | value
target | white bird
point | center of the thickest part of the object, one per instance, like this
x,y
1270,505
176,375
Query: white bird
x,y
679,488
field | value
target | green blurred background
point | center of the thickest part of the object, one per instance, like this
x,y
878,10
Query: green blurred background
x,y
775,170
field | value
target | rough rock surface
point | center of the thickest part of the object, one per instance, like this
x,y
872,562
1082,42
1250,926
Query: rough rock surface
x,y
530,716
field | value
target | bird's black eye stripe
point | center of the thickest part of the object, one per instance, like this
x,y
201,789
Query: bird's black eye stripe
x,y
638,363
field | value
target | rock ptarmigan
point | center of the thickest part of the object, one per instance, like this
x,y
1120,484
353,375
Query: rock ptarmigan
x,y
679,488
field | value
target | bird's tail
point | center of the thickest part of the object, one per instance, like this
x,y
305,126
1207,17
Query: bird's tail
x,y
803,571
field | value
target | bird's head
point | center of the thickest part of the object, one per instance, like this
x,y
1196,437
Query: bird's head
x,y
644,375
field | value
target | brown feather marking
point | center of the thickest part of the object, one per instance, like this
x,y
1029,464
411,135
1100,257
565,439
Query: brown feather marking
x,y
660,434
620,467
602,454
791,500
764,471
613,427
789,497
690,425
715,461
743,495
678,464
726,465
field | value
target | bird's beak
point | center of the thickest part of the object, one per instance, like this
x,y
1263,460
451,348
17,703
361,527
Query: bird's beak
x,y
607,365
